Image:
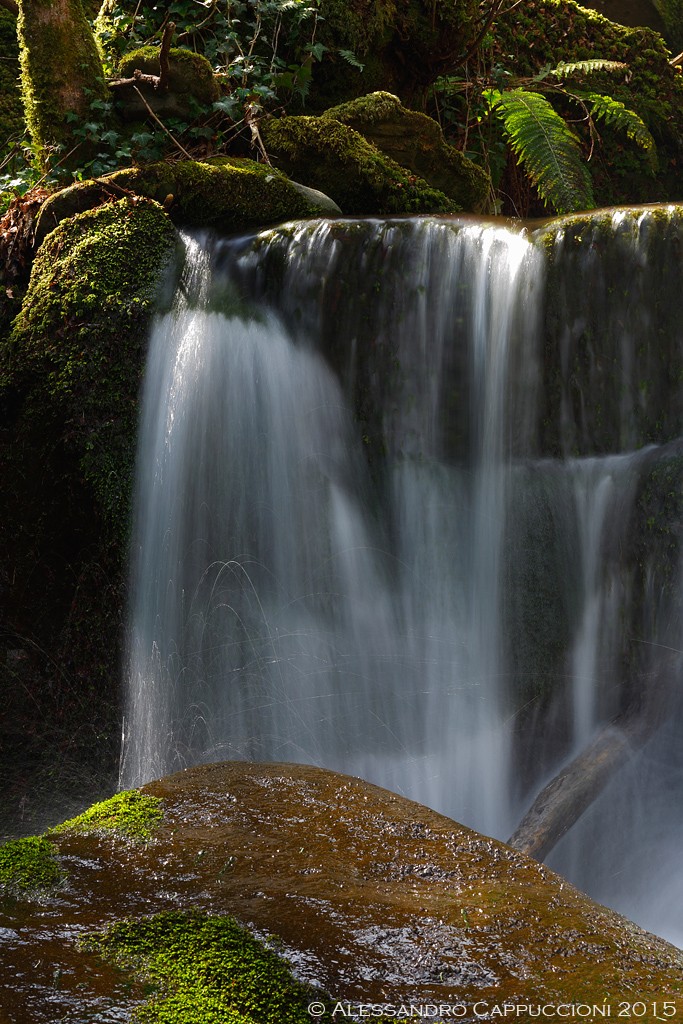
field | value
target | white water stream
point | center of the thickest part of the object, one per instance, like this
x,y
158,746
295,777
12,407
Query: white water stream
x,y
373,600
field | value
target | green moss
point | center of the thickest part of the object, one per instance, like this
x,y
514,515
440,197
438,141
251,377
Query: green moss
x,y
131,813
209,970
61,73
76,348
189,72
325,154
416,141
29,864
11,108
229,195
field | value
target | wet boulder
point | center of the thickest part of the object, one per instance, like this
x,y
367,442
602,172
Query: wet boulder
x,y
368,898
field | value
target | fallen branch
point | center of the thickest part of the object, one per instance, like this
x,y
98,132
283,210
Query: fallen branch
x,y
562,802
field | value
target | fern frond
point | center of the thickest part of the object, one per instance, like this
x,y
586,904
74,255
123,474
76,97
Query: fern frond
x,y
546,147
586,67
350,58
613,112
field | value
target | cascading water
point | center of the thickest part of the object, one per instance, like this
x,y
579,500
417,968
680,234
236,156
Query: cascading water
x,y
392,494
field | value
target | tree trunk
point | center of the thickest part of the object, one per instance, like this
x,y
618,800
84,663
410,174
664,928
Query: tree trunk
x,y
562,802
61,73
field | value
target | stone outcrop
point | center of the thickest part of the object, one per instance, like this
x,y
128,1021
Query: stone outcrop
x,y
372,898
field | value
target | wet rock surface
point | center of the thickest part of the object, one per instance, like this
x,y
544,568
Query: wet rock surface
x,y
372,897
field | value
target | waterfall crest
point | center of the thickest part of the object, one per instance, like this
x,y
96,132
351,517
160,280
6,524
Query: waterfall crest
x,y
394,487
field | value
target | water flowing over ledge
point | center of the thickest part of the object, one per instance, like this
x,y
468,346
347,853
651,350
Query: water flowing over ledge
x,y
407,507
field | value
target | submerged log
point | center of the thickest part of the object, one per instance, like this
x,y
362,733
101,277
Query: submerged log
x,y
562,802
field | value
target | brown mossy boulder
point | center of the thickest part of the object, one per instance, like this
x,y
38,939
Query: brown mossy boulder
x,y
373,898
326,154
416,141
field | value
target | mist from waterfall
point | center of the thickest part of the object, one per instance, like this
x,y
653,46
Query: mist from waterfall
x,y
362,540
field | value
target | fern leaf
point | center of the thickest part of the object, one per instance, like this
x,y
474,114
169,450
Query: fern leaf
x,y
350,58
586,67
546,147
613,112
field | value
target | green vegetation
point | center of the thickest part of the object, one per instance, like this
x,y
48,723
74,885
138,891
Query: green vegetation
x,y
28,864
76,346
61,72
541,34
326,154
544,144
131,813
206,969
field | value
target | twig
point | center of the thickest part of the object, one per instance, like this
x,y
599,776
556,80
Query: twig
x,y
161,124
251,119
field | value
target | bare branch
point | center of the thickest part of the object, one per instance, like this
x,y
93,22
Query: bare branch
x,y
164,67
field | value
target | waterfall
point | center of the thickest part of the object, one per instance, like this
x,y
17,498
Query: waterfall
x,y
398,506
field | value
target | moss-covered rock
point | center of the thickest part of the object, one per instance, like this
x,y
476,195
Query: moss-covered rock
x,y
131,814
636,13
228,194
544,32
28,864
208,967
11,107
613,359
328,155
416,141
191,84
70,373
77,343
61,73
370,896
